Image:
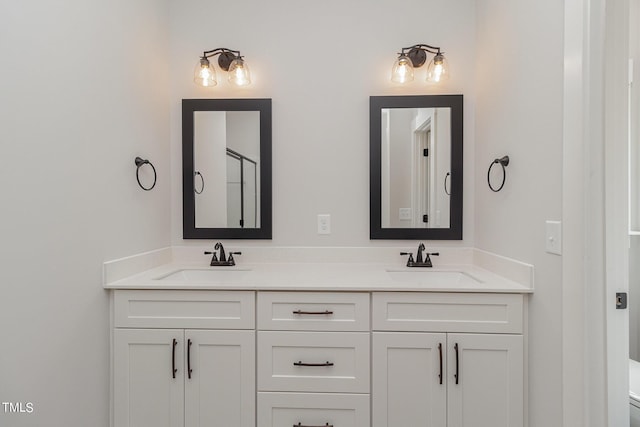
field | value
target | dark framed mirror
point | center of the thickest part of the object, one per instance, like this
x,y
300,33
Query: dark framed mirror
x,y
416,146
226,168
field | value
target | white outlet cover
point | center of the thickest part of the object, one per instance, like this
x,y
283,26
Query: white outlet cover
x,y
324,224
554,237
404,214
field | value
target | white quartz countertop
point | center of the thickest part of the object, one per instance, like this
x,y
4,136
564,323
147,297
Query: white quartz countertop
x,y
305,276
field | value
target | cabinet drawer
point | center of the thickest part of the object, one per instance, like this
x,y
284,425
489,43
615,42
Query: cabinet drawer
x,y
448,312
313,311
287,361
184,309
313,409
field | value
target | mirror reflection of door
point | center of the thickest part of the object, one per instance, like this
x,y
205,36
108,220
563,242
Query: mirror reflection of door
x,y
416,158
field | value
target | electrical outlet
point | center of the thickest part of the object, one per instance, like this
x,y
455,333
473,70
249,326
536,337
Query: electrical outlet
x,y
404,214
324,224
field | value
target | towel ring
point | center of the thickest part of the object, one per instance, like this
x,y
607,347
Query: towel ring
x,y
504,162
139,163
197,173
446,177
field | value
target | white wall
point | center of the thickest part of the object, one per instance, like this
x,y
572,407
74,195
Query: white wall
x,y
84,91
210,154
320,62
519,113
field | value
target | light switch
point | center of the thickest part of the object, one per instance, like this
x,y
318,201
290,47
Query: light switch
x,y
554,237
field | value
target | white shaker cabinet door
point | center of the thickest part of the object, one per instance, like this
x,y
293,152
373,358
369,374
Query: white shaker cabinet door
x,y
485,380
220,388
409,379
148,380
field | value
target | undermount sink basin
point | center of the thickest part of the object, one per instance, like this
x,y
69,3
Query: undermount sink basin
x,y
219,275
428,277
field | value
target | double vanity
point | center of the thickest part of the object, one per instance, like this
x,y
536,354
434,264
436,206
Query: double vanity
x,y
332,337
343,344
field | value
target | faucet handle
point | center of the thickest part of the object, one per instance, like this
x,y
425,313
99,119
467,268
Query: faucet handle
x,y
410,261
230,260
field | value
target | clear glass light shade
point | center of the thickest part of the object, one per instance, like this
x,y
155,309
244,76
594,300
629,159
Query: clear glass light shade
x,y
204,74
239,73
402,70
438,69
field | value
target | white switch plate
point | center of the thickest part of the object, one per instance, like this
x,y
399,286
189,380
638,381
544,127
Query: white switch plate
x,y
404,214
554,237
324,224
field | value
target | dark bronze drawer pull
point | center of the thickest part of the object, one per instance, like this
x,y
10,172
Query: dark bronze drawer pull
x,y
440,350
457,374
304,425
299,363
189,370
173,358
326,312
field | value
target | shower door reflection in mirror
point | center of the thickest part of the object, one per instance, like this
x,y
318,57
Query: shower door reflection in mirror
x,y
227,164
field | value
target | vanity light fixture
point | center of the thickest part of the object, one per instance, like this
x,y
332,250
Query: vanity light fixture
x,y
414,57
228,60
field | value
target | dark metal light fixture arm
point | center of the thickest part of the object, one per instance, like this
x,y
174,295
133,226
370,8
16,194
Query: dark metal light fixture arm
x,y
218,51
225,56
431,49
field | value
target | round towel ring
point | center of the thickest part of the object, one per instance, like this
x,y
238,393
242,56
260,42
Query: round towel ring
x,y
197,173
504,162
446,178
139,163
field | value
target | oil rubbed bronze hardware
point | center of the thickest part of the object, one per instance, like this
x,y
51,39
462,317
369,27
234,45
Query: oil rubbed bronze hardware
x,y
446,178
223,261
504,162
440,351
189,370
139,163
326,312
456,376
173,358
300,363
304,425
420,261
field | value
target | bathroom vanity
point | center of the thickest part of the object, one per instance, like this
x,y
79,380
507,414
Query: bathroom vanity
x,y
318,344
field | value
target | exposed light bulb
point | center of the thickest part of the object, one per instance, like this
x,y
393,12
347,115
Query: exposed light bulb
x,y
402,70
438,69
239,73
204,74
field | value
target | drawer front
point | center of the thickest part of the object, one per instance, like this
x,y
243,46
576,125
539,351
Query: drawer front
x,y
313,361
448,312
313,409
313,311
184,309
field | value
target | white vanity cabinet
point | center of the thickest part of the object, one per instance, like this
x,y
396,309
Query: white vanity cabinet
x,y
269,358
453,360
314,360
184,358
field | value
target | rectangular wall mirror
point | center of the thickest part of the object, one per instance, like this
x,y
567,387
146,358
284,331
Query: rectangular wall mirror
x,y
226,168
416,167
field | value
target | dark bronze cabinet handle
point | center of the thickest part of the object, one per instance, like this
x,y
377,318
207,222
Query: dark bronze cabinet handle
x,y
304,425
299,363
173,358
189,370
326,312
440,351
457,376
